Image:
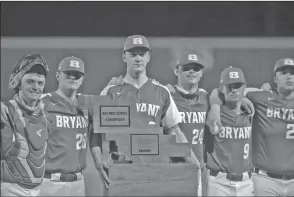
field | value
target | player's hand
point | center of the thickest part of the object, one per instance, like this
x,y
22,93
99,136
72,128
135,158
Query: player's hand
x,y
116,80
103,171
247,105
190,160
215,127
171,88
4,112
266,87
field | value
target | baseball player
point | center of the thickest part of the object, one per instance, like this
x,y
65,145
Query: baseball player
x,y
24,133
192,103
154,103
229,149
273,133
67,142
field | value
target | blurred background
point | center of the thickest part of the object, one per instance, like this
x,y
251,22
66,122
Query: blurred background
x,y
102,57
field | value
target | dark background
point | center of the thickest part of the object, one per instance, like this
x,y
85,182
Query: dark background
x,y
170,21
148,18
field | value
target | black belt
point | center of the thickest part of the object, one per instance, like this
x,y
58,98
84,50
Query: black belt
x,y
230,176
64,177
276,176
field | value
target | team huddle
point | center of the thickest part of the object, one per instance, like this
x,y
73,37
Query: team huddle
x,y
242,138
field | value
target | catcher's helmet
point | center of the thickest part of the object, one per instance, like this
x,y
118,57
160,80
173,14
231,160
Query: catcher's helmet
x,y
24,65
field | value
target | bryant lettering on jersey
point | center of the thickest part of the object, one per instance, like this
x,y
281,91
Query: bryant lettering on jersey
x,y
73,122
235,133
154,103
151,109
193,117
68,136
280,113
230,150
193,109
273,125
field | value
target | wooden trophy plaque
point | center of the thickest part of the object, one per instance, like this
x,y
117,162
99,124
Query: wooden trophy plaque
x,y
143,167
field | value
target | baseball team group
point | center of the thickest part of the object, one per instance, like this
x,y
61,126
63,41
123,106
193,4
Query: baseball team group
x,y
242,138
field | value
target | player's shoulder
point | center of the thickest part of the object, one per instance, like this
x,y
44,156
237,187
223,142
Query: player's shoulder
x,y
46,97
203,96
160,86
49,99
109,88
259,95
202,92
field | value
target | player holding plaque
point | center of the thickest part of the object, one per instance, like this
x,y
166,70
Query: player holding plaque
x,y
154,105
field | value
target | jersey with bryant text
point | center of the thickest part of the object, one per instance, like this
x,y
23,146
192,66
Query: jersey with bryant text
x,y
154,103
230,150
273,132
67,143
193,109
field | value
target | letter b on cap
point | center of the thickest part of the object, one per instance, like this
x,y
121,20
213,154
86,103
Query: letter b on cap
x,y
74,63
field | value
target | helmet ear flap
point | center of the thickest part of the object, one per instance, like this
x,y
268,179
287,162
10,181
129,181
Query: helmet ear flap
x,y
14,80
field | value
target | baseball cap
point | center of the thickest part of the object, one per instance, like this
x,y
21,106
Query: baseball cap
x,y
232,75
72,64
190,58
135,41
24,65
283,62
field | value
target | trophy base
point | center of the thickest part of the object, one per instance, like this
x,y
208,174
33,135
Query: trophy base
x,y
153,179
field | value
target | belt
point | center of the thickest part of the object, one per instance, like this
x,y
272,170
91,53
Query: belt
x,y
70,177
232,176
273,175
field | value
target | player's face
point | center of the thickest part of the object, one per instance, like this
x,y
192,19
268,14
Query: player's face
x,y
189,74
70,79
285,78
136,59
233,92
32,86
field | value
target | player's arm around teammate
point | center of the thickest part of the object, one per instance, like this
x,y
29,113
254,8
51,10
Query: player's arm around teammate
x,y
217,99
272,138
229,148
24,134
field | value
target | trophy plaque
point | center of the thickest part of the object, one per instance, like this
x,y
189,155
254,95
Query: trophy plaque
x,y
142,164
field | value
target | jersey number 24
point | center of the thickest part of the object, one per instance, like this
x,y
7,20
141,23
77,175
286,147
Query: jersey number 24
x,y
197,136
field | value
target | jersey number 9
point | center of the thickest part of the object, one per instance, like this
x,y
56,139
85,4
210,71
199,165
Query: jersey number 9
x,y
290,132
198,136
246,151
81,141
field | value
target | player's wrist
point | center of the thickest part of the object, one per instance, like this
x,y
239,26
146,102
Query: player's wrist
x,y
213,115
